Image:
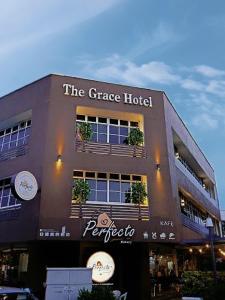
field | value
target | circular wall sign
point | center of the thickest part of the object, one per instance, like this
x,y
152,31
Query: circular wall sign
x,y
25,186
102,265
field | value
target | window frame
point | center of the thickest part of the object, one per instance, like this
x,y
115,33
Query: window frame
x,y
108,180
84,119
5,184
9,134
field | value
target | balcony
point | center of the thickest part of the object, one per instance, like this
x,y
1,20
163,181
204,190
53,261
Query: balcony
x,y
115,211
13,153
180,164
199,228
110,149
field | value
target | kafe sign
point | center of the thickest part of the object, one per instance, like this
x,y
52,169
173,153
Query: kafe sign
x,y
94,94
24,186
102,265
106,228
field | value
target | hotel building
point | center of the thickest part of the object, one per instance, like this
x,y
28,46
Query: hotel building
x,y
39,134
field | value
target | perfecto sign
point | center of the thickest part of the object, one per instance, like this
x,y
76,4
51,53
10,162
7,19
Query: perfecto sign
x,y
105,227
102,265
94,94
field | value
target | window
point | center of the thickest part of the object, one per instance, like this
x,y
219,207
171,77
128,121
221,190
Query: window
x,y
108,187
107,130
15,136
191,211
6,197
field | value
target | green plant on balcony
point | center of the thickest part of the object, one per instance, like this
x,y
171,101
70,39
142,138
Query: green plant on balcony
x,y
81,191
84,131
135,137
137,194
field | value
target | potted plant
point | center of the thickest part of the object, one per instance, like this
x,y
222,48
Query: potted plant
x,y
137,193
84,131
135,137
81,191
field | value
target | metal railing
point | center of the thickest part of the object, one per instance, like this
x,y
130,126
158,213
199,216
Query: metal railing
x,y
13,153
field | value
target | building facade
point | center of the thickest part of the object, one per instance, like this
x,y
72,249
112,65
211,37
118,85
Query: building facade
x,y
39,133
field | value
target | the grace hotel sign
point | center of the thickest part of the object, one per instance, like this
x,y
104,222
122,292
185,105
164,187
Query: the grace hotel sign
x,y
94,94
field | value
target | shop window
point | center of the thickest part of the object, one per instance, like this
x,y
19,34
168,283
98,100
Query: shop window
x,y
106,130
108,187
15,136
7,200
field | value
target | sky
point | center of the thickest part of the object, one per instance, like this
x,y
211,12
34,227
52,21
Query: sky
x,y
173,45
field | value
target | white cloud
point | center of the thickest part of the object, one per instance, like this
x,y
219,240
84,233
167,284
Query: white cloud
x,y
216,87
205,121
33,21
208,111
208,71
123,71
193,85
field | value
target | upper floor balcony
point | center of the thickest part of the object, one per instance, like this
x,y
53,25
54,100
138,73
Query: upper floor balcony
x,y
121,196
194,181
110,149
200,173
109,133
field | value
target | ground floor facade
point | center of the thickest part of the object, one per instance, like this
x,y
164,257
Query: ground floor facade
x,y
141,268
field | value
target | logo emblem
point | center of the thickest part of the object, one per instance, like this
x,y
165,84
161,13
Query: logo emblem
x,y
104,221
24,186
154,235
162,236
102,265
172,236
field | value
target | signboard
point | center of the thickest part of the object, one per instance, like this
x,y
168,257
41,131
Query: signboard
x,y
94,94
51,233
102,265
106,228
24,186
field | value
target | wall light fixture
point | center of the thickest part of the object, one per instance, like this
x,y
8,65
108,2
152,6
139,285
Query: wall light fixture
x,y
59,158
158,167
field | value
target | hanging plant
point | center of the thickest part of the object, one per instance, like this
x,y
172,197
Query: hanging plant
x,y
135,137
85,131
81,191
137,193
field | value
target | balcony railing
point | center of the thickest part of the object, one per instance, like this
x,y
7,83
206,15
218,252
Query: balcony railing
x,y
14,152
110,149
200,228
115,212
197,179
9,212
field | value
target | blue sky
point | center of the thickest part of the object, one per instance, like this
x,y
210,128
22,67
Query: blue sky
x,y
176,45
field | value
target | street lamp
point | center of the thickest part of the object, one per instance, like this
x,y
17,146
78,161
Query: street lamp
x,y
209,225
